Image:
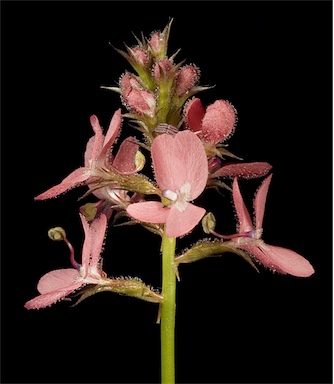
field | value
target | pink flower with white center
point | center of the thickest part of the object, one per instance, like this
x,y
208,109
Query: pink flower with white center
x,y
215,124
57,284
97,156
181,171
249,238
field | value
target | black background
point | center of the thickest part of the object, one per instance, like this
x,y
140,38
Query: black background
x,y
273,61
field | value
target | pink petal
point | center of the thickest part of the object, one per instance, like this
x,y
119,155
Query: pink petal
x,y
114,128
282,260
243,170
74,179
148,212
87,245
112,133
89,161
194,114
47,299
260,202
57,279
179,160
187,78
125,158
98,230
245,222
180,223
218,122
98,138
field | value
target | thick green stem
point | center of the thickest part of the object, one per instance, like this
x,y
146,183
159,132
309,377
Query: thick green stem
x,y
168,308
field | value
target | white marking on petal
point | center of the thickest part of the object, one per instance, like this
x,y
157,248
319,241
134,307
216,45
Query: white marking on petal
x,y
183,197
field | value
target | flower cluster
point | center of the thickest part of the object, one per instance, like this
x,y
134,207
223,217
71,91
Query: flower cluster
x,y
185,142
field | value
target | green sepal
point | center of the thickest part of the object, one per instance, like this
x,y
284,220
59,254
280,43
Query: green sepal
x,y
126,286
210,248
132,183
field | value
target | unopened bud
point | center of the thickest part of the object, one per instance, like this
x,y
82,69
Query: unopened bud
x,y
57,234
187,78
140,57
163,69
141,102
128,80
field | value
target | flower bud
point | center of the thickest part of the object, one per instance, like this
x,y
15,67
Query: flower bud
x,y
187,78
141,57
128,80
140,101
158,42
163,70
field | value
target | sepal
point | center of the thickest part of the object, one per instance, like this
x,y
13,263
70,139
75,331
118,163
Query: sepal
x,y
133,183
209,248
126,286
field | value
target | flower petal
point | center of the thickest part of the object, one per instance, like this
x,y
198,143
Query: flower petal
x,y
97,139
149,212
74,179
180,223
260,202
57,279
243,170
218,122
111,135
282,260
125,158
87,246
194,114
47,299
244,219
98,230
179,160
114,128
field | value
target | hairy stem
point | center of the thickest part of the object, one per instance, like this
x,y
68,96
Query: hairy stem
x,y
168,311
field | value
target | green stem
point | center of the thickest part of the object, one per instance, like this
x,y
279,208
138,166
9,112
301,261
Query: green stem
x,y
168,311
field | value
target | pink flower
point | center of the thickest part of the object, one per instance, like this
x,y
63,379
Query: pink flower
x,y
181,170
97,155
276,258
215,124
57,284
